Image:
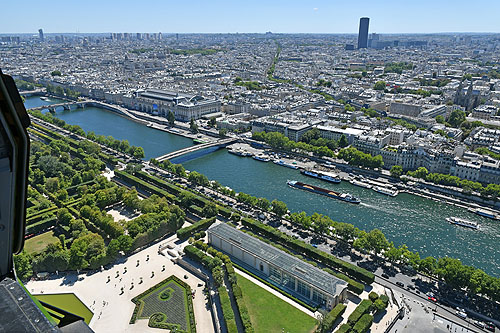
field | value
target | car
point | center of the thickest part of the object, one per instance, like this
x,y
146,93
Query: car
x,y
410,287
489,326
479,324
461,314
385,276
400,284
433,299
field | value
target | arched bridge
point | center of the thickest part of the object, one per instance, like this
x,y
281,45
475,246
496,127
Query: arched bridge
x,y
190,149
65,105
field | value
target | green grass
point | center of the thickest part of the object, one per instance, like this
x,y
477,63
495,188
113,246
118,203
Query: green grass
x,y
67,302
269,313
38,243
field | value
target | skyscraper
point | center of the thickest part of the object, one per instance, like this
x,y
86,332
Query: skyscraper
x,y
40,35
363,33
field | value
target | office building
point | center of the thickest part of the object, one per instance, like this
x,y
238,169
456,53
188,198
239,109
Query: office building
x,y
40,35
363,33
283,270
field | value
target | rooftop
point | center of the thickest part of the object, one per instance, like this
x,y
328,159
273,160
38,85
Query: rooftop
x,y
286,262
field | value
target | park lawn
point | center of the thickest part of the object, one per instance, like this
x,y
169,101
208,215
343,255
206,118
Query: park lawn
x,y
38,243
68,302
269,313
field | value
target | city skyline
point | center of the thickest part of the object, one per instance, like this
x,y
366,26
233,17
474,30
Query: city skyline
x,y
257,17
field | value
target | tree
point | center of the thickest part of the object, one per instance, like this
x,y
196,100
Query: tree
x,y
138,152
456,118
171,118
193,126
64,216
440,119
23,266
263,204
212,122
209,210
62,195
55,73
279,208
379,85
396,171
125,243
393,254
343,141
376,241
223,132
113,248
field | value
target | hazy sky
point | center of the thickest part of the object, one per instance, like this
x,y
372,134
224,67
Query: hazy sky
x,y
288,16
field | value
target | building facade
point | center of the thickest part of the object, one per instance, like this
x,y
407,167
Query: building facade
x,y
285,271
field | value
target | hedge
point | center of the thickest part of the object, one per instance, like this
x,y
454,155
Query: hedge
x,y
37,216
360,310
160,183
363,324
333,315
187,232
238,296
302,247
195,210
141,184
353,285
41,225
224,211
139,304
227,310
384,298
345,328
373,296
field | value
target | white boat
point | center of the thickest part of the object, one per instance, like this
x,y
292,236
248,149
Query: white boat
x,y
43,98
462,222
485,213
386,191
359,183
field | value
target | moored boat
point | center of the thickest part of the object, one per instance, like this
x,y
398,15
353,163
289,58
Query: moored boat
x,y
385,191
485,213
261,158
323,191
321,175
463,223
359,183
282,163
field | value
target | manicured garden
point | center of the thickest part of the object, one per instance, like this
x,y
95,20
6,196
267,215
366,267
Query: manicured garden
x,y
269,313
167,305
68,302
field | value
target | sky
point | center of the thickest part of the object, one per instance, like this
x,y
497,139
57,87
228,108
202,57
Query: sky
x,y
224,16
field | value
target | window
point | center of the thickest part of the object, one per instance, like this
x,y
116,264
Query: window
x,y
261,267
319,297
303,289
288,281
274,274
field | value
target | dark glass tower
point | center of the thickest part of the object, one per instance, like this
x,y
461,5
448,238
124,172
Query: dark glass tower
x,y
363,33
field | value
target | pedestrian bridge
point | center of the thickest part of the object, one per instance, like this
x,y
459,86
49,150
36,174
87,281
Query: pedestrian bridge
x,y
191,149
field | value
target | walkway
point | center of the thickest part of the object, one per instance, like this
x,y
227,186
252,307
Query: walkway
x,y
113,310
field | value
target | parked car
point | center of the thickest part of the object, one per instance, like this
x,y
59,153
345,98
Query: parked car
x,y
479,324
432,299
490,326
401,284
385,276
461,314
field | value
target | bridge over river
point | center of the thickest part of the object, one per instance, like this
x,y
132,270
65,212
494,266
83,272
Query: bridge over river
x,y
191,149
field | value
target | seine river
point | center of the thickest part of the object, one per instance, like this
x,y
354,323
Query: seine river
x,y
417,222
